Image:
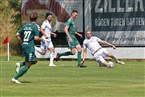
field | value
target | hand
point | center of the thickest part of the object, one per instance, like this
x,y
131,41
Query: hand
x,y
42,40
83,61
80,35
54,35
70,39
113,46
46,36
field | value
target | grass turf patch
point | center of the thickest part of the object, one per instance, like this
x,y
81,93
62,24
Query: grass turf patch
x,y
66,80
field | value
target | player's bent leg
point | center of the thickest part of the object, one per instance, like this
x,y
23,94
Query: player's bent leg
x,y
103,63
30,58
21,72
63,54
72,52
116,60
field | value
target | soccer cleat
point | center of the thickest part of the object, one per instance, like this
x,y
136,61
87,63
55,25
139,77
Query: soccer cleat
x,y
52,65
82,66
57,57
15,81
120,62
17,67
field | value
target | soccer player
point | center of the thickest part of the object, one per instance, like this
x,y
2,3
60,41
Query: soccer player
x,y
99,53
27,35
46,30
70,31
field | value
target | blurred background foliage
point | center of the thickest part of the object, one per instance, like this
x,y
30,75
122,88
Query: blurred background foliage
x,y
10,22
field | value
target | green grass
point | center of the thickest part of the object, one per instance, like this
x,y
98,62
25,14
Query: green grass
x,y
66,80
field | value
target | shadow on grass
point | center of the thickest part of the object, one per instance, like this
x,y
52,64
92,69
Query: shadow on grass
x,y
26,82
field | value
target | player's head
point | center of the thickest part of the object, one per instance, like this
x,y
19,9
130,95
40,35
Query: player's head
x,y
88,34
48,16
33,17
74,14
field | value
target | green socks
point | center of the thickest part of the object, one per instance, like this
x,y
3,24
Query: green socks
x,y
70,53
66,53
79,57
22,71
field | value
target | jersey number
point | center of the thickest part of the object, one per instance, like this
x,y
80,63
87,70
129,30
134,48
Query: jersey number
x,y
27,35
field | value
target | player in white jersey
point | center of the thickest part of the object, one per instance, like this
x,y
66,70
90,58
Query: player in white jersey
x,y
47,30
99,53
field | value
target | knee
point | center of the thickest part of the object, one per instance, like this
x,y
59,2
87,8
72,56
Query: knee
x,y
43,52
34,62
79,49
73,52
51,50
109,54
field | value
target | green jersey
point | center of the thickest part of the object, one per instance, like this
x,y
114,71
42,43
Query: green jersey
x,y
71,29
27,34
71,26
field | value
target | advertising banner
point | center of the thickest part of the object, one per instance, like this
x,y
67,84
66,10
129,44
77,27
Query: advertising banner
x,y
121,22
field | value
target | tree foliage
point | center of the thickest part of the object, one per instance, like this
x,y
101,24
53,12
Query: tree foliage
x,y
15,5
10,22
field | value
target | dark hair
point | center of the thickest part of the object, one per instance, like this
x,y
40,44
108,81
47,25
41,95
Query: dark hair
x,y
74,11
47,14
33,16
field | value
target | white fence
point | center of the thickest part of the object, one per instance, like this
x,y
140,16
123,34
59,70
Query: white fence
x,y
120,52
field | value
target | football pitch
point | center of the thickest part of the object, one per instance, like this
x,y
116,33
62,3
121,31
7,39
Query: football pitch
x,y
66,80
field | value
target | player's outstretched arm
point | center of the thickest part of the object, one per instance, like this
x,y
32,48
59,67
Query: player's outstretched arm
x,y
109,44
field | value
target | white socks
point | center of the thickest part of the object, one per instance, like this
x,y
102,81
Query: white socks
x,y
51,58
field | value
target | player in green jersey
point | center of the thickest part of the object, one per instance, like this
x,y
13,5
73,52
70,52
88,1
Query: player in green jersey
x,y
73,43
27,35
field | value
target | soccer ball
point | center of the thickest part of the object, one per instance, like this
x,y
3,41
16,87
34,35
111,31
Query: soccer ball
x,y
110,64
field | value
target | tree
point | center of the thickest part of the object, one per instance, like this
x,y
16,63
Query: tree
x,y
10,21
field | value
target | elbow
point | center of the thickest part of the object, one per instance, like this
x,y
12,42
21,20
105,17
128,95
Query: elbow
x,y
36,38
17,35
65,29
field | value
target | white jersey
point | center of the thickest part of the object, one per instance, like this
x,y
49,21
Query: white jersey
x,y
47,29
92,44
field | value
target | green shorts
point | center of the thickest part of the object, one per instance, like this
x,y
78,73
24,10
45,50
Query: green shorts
x,y
74,42
29,54
30,57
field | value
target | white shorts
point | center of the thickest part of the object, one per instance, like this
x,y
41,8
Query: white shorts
x,y
101,55
45,45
